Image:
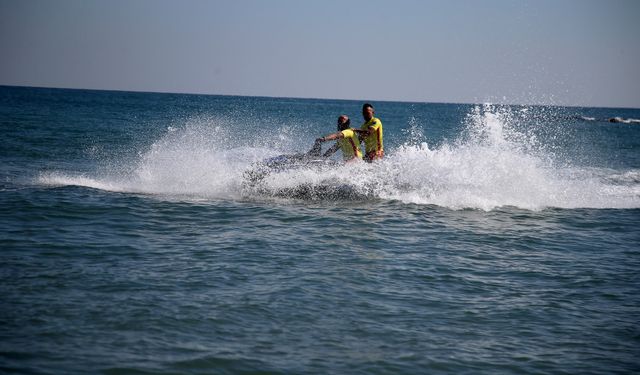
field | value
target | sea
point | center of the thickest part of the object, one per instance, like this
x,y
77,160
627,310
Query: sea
x,y
491,239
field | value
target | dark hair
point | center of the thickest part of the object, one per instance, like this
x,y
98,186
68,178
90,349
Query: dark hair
x,y
345,125
366,105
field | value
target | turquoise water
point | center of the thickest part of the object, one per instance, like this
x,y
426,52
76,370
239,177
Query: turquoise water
x,y
491,239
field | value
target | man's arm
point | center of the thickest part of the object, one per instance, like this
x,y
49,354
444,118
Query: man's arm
x,y
332,150
331,137
362,134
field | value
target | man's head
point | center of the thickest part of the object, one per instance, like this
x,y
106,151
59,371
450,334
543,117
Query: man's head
x,y
367,111
343,122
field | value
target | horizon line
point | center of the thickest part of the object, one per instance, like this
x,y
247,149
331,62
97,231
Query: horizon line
x,y
310,98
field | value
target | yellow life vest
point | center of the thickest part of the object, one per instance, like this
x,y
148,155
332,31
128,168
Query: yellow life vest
x,y
350,145
373,142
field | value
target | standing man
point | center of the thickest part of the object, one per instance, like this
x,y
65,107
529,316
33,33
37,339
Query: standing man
x,y
371,134
347,141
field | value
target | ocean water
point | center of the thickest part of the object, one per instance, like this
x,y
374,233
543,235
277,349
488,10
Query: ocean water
x,y
491,238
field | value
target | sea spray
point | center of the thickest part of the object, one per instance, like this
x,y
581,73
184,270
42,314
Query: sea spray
x,y
492,164
199,158
496,161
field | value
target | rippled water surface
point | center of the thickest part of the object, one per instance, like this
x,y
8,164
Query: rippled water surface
x,y
491,239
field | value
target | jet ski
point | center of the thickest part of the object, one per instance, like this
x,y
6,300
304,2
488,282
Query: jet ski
x,y
287,162
328,189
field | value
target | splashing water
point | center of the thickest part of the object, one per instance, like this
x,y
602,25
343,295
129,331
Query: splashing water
x,y
414,132
490,165
198,160
493,165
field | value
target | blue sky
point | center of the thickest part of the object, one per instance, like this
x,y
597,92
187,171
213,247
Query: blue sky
x,y
565,52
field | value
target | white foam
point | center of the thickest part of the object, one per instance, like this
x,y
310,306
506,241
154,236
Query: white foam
x,y
59,179
491,165
198,160
486,178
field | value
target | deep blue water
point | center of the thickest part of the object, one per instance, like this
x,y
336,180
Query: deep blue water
x,y
491,238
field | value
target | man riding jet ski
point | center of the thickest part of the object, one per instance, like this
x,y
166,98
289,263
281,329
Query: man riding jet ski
x,y
347,141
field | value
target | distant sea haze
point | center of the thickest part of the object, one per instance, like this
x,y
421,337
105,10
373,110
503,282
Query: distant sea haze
x,y
147,233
